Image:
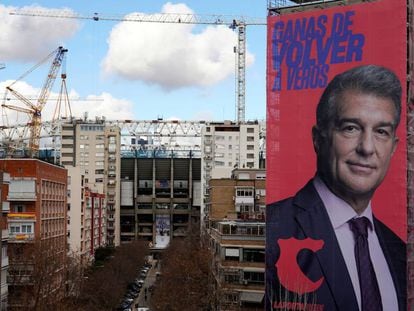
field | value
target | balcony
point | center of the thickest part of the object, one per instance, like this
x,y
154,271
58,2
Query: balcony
x,y
5,207
4,234
244,200
22,190
5,262
21,237
231,230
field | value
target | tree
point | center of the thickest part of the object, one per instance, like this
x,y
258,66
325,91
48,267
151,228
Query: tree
x,y
36,274
184,282
104,285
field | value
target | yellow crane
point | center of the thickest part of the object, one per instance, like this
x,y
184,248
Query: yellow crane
x,y
234,22
34,109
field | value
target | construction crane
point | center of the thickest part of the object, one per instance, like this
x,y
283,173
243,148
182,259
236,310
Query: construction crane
x,y
34,110
238,23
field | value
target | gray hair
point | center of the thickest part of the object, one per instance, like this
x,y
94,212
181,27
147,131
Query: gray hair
x,y
368,79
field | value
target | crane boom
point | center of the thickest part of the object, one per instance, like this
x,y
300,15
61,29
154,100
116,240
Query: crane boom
x,y
239,22
34,111
168,18
51,77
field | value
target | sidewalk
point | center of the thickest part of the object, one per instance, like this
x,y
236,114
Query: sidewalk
x,y
144,296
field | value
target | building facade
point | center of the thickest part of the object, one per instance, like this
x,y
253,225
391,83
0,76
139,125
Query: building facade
x,y
37,231
225,146
236,229
5,209
160,198
79,218
94,148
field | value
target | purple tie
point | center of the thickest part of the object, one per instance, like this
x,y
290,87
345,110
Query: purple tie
x,y
370,294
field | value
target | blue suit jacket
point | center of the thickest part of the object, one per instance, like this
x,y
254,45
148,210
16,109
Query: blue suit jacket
x,y
303,216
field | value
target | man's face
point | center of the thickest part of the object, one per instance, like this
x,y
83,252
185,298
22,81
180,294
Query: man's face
x,y
356,149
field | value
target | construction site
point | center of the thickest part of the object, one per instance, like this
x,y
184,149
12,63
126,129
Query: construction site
x,y
155,180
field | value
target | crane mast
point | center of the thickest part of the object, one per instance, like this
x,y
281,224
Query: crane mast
x,y
179,18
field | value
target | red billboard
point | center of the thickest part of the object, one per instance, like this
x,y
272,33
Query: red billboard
x,y
306,49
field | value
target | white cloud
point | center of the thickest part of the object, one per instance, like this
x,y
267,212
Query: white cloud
x,y
25,38
172,55
96,105
103,105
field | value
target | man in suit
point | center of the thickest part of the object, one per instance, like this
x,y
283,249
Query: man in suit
x,y
315,260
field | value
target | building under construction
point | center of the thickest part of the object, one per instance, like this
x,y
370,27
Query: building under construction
x,y
160,198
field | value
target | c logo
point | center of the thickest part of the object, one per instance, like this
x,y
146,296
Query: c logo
x,y
288,270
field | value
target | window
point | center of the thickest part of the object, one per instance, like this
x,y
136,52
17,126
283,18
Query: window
x,y
99,146
254,277
232,254
20,208
244,192
253,255
231,298
250,147
99,154
14,229
232,277
26,228
250,155
250,130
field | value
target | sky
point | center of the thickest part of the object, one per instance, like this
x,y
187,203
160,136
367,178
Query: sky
x,y
137,71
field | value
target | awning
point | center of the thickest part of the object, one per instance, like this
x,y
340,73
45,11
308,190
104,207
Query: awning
x,y
251,296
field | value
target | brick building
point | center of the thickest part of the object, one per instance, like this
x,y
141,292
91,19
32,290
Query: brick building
x,y
97,236
5,208
37,225
236,228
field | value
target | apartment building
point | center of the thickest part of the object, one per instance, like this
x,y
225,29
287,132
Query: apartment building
x,y
5,208
37,231
160,198
79,218
95,203
236,229
225,146
94,148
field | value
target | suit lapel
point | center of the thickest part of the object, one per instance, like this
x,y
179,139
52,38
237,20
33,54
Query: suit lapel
x,y
315,223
